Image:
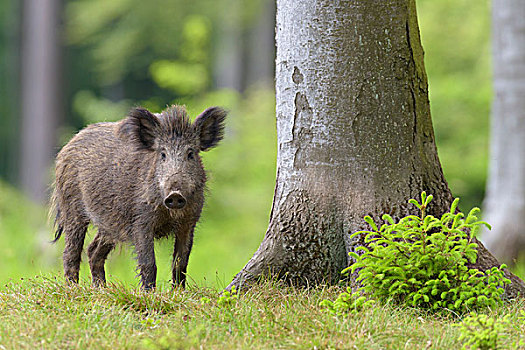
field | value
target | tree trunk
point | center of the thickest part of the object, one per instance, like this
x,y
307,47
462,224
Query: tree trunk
x,y
505,201
40,90
355,136
9,88
228,65
261,47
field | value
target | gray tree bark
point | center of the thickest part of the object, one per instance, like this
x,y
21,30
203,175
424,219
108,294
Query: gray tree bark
x,y
40,94
504,204
355,136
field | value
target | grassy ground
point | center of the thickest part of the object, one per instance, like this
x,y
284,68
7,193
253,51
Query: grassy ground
x,y
44,312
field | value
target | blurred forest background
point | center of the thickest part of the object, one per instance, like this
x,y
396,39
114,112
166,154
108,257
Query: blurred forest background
x,y
65,64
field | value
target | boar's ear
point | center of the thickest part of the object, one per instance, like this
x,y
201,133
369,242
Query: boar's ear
x,y
140,127
210,127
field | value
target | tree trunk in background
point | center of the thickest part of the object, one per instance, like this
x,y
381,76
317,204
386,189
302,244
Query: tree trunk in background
x,y
261,47
9,87
504,204
228,65
355,136
245,53
40,94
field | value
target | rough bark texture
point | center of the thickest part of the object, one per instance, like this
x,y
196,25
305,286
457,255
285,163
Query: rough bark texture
x,y
505,201
355,136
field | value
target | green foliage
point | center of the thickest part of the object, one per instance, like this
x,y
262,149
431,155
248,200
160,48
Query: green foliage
x,y
422,261
189,75
152,53
347,302
93,109
228,298
182,77
479,331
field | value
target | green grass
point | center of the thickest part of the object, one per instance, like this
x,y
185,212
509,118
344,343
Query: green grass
x,y
44,312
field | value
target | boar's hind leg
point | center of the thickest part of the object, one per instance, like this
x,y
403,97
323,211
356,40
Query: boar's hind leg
x,y
98,251
74,237
181,255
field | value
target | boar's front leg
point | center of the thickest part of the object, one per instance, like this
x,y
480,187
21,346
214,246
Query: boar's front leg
x,y
145,250
181,254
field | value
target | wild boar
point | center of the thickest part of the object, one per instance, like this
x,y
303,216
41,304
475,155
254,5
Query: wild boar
x,y
136,180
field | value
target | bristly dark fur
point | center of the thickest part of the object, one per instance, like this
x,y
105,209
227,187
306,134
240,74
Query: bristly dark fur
x,y
174,122
210,125
141,126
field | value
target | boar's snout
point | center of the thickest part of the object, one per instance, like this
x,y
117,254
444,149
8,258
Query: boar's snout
x,y
175,200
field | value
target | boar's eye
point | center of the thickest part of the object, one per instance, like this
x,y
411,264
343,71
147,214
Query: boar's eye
x,y
191,154
163,155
